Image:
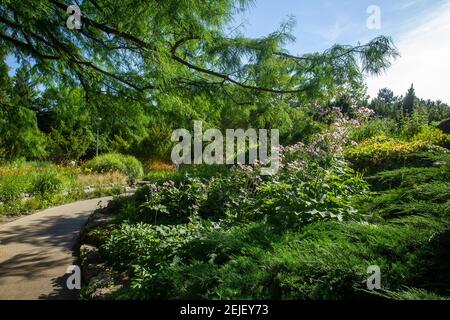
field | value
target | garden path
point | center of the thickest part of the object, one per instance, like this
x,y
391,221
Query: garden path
x,y
36,250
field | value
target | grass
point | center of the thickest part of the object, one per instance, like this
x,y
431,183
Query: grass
x,y
27,187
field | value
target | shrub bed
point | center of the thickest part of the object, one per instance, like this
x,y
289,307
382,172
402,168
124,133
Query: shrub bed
x,y
125,164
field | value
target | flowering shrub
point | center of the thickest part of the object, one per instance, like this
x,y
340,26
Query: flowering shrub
x,y
364,114
307,232
330,144
300,193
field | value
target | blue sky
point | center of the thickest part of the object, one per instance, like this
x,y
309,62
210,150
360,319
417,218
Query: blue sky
x,y
419,28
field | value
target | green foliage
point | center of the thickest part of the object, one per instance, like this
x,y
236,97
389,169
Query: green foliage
x,y
69,146
426,199
379,151
409,101
310,193
134,96
412,125
272,238
433,136
328,260
173,204
411,294
374,128
160,176
203,171
330,253
298,195
308,232
125,164
11,188
179,239
19,132
196,249
48,182
260,65
387,105
408,177
29,186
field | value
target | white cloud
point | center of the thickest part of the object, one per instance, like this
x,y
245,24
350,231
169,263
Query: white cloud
x,y
425,60
409,4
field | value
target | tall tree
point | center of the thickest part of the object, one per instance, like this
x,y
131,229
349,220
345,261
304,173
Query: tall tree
x,y
387,104
148,66
19,133
5,101
409,101
143,49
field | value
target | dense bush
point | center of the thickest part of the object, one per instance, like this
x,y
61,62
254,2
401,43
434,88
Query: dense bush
x,y
128,165
299,194
433,136
151,253
379,151
19,178
429,199
173,204
166,256
304,193
405,129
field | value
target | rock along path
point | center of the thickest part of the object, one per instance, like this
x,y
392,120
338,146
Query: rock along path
x,y
36,250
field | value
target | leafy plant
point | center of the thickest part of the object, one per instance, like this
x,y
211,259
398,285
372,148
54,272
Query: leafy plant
x,y
311,193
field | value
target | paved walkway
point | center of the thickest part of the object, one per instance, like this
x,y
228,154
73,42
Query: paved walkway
x,y
36,250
